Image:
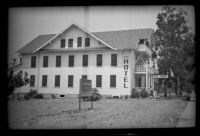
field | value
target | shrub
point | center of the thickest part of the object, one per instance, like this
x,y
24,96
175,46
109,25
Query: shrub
x,y
53,96
144,94
135,94
32,93
39,96
26,97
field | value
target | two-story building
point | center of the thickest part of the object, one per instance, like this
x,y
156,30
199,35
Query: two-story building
x,y
115,61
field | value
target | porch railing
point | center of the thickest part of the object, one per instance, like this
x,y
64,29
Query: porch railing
x,y
140,68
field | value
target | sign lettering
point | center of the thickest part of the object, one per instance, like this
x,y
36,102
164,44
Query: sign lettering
x,y
125,72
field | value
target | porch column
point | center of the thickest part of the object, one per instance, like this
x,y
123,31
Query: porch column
x,y
147,78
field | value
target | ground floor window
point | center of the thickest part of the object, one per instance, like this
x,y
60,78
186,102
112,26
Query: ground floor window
x,y
57,81
112,80
140,80
98,81
70,80
32,80
44,80
84,76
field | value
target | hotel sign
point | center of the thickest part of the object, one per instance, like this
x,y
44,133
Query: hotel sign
x,y
160,76
126,72
85,90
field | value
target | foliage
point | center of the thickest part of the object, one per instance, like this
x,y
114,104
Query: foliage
x,y
175,47
33,94
16,81
39,96
53,96
136,94
144,94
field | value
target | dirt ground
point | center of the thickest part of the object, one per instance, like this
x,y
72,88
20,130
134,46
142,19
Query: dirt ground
x,y
110,113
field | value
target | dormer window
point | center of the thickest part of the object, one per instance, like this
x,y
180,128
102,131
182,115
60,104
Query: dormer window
x,y
70,42
79,41
87,42
62,43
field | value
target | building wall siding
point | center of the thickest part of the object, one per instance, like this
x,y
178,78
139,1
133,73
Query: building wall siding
x,y
91,71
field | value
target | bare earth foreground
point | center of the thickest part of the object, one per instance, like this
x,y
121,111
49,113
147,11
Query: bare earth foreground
x,y
64,114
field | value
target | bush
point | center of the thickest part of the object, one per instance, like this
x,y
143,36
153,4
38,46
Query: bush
x,y
32,94
26,97
53,96
135,94
39,96
144,94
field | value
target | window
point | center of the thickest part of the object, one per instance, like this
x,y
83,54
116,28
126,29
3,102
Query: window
x,y
62,43
32,80
85,60
58,61
70,80
71,60
20,60
44,80
98,81
84,76
142,41
112,80
99,59
70,42
45,61
79,41
87,42
33,61
57,80
113,59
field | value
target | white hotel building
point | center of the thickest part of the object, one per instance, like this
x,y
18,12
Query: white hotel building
x,y
115,61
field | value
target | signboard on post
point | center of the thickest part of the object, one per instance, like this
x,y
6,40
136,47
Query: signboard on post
x,y
159,76
85,90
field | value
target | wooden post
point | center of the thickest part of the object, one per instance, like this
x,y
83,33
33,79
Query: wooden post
x,y
79,102
91,104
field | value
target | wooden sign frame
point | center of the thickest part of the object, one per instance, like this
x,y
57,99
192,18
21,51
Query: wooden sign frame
x,y
85,89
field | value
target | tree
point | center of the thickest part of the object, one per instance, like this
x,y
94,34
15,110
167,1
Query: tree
x,y
17,81
175,46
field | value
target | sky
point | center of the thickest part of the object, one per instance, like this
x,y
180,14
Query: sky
x,y
26,23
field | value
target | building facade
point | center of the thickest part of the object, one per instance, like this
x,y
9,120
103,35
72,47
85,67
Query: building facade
x,y
115,61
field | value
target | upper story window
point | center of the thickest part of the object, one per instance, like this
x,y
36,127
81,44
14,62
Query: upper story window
x,y
87,42
58,61
113,59
85,60
20,60
45,61
33,61
142,41
62,43
71,60
99,59
70,42
79,41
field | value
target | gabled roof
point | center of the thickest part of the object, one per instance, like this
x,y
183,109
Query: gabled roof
x,y
122,39
36,43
